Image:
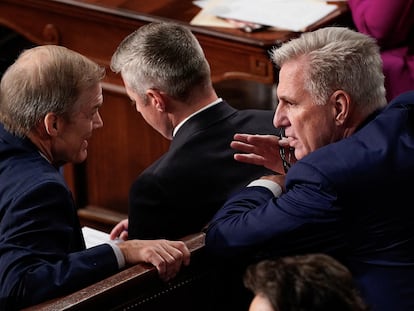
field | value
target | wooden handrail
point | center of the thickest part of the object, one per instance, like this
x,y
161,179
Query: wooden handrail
x,y
114,287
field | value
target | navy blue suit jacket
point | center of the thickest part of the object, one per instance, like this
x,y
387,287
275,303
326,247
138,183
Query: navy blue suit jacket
x,y
352,199
180,192
42,251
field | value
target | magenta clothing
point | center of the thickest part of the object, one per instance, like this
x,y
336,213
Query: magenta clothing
x,y
391,23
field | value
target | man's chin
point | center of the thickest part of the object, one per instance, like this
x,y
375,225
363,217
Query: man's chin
x,y
81,157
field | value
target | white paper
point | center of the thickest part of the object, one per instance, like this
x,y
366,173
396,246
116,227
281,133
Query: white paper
x,y
200,3
295,15
206,19
94,237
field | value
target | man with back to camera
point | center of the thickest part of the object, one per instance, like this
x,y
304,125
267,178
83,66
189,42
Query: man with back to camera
x,y
167,77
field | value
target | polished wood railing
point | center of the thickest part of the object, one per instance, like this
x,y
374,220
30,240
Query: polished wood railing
x,y
139,288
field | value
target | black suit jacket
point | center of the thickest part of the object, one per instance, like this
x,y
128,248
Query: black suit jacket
x,y
180,192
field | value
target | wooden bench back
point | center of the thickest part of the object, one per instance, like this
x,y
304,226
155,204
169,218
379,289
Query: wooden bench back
x,y
202,286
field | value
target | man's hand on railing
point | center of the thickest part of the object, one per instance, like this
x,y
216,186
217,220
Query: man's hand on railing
x,y
167,256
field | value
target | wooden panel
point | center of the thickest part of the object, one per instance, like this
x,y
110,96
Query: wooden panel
x,y
237,61
95,28
119,151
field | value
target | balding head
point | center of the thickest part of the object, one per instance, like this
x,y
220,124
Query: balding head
x,y
44,79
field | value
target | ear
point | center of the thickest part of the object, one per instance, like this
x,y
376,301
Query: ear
x,y
341,105
51,123
157,99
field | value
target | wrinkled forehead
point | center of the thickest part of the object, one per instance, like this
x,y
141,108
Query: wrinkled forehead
x,y
291,79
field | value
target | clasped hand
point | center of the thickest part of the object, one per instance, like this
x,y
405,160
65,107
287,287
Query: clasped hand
x,y
167,256
261,150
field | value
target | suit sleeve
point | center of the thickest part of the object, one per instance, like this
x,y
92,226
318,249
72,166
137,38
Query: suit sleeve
x,y
42,249
303,219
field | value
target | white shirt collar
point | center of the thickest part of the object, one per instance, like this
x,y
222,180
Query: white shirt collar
x,y
44,156
218,100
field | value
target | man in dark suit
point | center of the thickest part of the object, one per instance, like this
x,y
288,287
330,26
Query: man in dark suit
x,y
168,79
349,194
49,106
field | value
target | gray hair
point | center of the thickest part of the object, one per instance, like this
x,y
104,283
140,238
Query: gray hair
x,y
338,59
162,56
44,79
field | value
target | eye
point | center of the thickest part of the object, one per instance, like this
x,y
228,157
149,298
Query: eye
x,y
94,113
287,103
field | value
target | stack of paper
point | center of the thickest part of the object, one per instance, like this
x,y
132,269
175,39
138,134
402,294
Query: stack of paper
x,y
294,15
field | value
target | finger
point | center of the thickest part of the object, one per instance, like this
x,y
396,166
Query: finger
x,y
284,142
170,256
152,253
241,137
119,228
243,147
262,139
180,254
186,255
124,235
171,262
116,231
249,158
177,254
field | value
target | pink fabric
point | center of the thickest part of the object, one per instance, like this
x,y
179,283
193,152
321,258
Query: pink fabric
x,y
391,23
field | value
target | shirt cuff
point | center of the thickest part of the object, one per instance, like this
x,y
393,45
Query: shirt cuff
x,y
118,254
269,184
